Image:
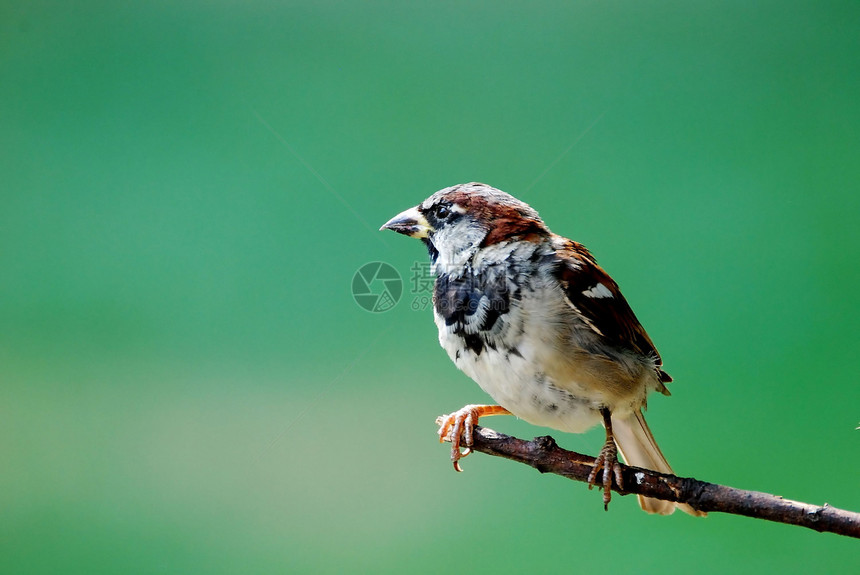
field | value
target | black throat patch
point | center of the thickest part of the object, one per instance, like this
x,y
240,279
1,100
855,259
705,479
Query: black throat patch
x,y
471,305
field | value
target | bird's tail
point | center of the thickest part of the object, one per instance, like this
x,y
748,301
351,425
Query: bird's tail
x,y
639,449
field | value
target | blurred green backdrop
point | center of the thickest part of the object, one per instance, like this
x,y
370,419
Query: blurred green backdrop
x,y
186,384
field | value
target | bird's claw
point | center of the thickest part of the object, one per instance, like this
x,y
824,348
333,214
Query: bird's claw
x,y
607,460
458,428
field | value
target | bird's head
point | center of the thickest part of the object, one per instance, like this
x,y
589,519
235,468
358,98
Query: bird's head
x,y
456,222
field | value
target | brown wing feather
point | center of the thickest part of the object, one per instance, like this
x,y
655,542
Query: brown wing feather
x,y
610,317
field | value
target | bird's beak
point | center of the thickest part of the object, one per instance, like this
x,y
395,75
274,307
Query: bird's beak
x,y
409,223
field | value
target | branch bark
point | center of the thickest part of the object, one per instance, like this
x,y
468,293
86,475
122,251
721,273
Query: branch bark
x,y
546,456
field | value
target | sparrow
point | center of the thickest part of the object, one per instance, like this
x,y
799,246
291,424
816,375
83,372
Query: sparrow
x,y
539,326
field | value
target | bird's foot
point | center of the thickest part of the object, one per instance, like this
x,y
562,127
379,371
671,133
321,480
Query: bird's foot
x,y
457,428
607,460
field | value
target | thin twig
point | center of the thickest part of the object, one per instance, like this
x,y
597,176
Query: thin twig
x,y
546,456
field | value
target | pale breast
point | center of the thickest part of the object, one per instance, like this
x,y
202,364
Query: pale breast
x,y
527,351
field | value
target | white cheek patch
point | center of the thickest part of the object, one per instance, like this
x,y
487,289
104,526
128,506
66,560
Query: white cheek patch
x,y
597,292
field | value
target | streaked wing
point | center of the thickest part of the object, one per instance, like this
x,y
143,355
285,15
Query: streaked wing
x,y
590,290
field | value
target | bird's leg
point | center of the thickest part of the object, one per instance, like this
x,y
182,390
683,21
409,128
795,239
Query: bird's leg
x,y
457,428
607,460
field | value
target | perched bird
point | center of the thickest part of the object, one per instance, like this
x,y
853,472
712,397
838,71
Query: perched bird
x,y
532,318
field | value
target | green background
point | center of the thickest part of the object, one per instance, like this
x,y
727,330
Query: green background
x,y
187,386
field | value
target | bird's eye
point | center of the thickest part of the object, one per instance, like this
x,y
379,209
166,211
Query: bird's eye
x,y
443,212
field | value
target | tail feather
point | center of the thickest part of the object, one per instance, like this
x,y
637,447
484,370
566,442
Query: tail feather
x,y
639,449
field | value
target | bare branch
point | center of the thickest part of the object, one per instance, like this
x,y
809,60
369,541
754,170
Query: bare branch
x,y
546,456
